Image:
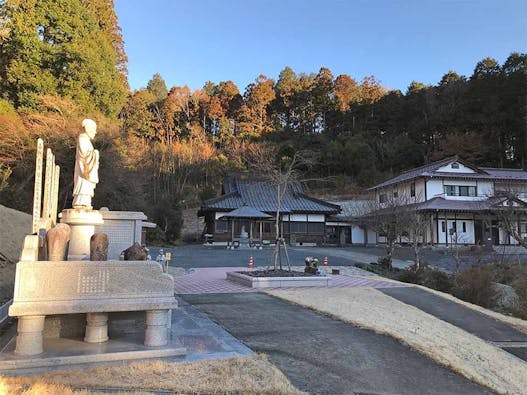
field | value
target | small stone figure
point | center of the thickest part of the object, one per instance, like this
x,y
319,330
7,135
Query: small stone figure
x,y
86,174
135,253
99,247
57,240
311,265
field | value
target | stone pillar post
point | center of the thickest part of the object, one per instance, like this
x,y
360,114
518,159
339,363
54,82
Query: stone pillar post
x,y
96,328
156,333
82,223
29,337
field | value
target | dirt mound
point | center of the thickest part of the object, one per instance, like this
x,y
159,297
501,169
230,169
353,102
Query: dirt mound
x,y
14,226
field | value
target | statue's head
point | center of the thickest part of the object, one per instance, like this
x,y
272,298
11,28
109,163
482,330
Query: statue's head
x,y
90,127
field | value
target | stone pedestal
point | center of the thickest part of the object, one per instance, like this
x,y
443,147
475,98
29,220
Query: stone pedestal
x,y
29,340
82,223
156,333
96,328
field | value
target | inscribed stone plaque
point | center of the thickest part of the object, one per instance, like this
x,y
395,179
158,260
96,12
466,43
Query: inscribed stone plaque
x,y
47,184
81,280
55,194
37,194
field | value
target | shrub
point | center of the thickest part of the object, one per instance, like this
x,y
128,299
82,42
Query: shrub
x,y
520,286
504,273
408,276
155,237
385,262
475,286
378,269
436,279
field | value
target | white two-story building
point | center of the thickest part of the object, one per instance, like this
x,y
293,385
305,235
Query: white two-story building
x,y
463,202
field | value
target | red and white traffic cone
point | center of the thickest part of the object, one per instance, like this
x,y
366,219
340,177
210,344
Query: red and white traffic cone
x,y
325,263
251,262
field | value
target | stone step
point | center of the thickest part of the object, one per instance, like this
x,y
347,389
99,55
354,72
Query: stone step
x,y
66,352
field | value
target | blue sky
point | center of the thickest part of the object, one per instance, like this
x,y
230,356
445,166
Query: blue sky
x,y
192,41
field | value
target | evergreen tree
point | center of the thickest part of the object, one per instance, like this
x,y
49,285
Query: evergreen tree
x,y
62,47
157,87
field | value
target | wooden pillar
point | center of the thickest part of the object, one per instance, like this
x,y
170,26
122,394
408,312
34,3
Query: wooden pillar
x,y
261,225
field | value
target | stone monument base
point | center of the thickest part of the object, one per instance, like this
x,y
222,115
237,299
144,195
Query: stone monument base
x,y
63,352
68,298
82,223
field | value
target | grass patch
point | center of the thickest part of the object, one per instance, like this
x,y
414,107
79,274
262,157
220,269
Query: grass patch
x,y
249,375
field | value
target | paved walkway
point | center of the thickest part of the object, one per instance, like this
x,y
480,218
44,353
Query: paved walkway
x,y
481,325
202,338
326,356
213,280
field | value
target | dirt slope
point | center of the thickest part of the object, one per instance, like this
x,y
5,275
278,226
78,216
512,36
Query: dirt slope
x,y
14,226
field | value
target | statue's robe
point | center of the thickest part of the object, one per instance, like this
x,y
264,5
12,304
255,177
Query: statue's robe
x,y
86,174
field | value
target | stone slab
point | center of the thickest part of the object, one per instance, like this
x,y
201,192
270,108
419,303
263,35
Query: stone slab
x,y
190,329
278,282
73,286
64,351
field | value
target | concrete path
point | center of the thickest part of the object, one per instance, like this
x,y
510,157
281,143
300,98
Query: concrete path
x,y
326,356
465,318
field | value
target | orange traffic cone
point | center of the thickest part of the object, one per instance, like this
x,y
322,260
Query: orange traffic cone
x,y
251,263
325,263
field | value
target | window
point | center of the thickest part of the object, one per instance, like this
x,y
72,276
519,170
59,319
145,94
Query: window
x,y
460,190
315,227
443,226
454,165
267,227
454,226
221,226
412,189
450,190
464,227
382,198
298,227
395,194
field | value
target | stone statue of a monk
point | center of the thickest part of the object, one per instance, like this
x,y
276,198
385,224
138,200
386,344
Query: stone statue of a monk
x,y
86,174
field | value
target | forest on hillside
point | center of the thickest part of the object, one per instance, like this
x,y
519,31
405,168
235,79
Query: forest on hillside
x,y
163,148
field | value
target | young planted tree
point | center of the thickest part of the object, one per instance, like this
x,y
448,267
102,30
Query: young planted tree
x,y
282,172
418,224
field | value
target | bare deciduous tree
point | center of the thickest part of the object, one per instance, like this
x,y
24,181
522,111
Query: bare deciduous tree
x,y
396,218
282,172
511,212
